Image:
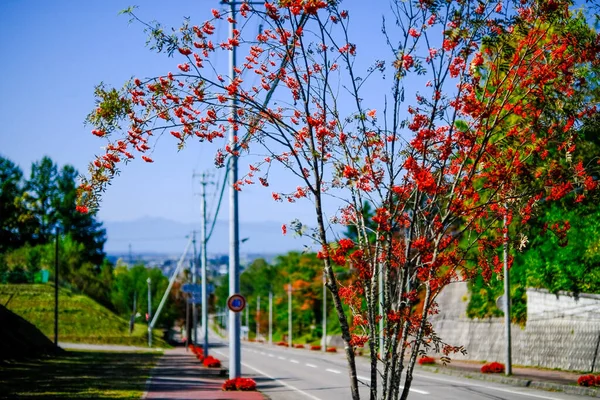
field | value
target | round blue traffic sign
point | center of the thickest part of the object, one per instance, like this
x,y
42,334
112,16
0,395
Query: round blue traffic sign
x,y
236,302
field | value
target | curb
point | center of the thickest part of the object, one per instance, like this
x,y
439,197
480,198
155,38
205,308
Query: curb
x,y
515,381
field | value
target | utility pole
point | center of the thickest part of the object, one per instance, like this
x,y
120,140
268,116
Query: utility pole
x,y
235,354
149,311
290,343
270,317
194,281
324,345
204,265
235,362
56,288
258,318
381,342
508,367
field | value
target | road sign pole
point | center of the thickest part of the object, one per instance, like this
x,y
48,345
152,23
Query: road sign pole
x,y
235,362
258,318
271,318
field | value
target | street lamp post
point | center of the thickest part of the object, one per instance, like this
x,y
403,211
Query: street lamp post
x,y
290,344
56,289
324,345
270,317
258,319
149,281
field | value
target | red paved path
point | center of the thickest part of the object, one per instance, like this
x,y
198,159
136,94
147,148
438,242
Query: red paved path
x,y
178,375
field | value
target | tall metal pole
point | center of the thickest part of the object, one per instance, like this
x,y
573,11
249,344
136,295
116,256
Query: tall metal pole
x,y
56,289
149,311
187,322
194,281
270,317
324,344
380,284
235,362
204,263
258,318
290,343
508,367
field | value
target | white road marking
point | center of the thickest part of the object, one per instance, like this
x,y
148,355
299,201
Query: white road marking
x,y
271,355
281,358
364,378
294,361
311,365
310,396
491,388
262,353
415,390
335,371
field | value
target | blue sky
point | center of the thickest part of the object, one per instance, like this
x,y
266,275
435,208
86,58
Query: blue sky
x,y
54,52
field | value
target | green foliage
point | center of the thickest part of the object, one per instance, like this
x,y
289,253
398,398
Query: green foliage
x,y
130,283
304,272
80,318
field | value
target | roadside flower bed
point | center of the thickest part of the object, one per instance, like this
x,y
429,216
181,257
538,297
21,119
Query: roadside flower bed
x,y
426,360
331,350
492,368
315,347
589,380
282,343
209,362
244,384
298,346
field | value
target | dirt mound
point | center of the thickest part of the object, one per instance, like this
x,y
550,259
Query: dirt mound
x,y
21,339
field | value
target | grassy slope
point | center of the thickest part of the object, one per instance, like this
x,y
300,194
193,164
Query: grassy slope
x,y
80,318
78,375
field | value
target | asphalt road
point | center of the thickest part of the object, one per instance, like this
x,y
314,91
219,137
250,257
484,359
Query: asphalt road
x,y
302,374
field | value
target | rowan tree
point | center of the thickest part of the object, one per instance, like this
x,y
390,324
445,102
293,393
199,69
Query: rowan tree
x,y
448,166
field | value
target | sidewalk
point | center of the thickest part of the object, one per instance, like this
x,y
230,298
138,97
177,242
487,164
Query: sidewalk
x,y
545,379
179,375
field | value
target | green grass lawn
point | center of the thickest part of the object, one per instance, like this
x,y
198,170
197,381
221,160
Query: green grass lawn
x,y
80,320
78,375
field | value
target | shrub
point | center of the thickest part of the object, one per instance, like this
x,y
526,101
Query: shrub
x,y
315,347
425,360
587,380
245,384
211,362
492,368
298,346
229,385
282,343
331,350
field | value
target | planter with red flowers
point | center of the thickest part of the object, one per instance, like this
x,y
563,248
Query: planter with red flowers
x,y
492,368
426,360
243,384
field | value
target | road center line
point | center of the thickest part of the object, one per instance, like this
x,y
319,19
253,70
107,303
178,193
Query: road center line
x,y
364,378
271,355
294,361
490,387
281,358
311,365
335,371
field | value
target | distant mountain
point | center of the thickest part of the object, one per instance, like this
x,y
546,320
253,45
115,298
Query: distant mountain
x,y
159,235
